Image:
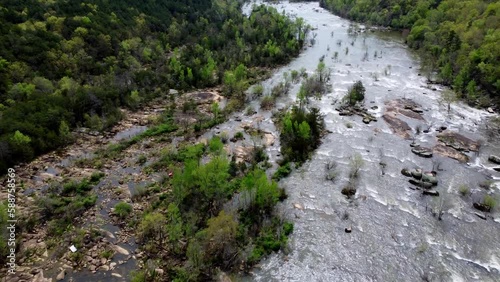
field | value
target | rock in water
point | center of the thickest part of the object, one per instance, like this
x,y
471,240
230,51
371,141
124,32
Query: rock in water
x,y
481,207
425,185
429,178
431,193
481,216
348,191
494,159
422,152
406,172
417,174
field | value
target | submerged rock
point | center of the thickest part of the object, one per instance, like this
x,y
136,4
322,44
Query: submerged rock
x,y
494,159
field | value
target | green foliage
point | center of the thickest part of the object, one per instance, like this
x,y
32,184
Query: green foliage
x,y
266,193
238,135
463,190
122,209
282,171
4,248
267,103
355,164
355,94
458,39
300,133
96,177
489,201
64,66
63,203
258,90
215,145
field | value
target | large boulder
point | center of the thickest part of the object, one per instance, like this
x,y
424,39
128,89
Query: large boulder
x,y
481,207
431,193
422,152
430,178
417,173
494,159
421,184
406,172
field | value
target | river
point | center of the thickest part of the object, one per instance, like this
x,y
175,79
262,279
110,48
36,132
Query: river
x,y
394,235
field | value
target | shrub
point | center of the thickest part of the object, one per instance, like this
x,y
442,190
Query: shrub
x,y
489,201
142,160
288,228
224,136
464,190
294,75
249,111
267,102
107,254
238,135
282,172
215,145
122,209
355,164
140,191
258,90
96,176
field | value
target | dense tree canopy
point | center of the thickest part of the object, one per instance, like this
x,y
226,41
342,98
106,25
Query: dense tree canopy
x,y
460,40
65,64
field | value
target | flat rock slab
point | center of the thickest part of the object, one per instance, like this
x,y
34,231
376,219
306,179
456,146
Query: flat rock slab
x,y
458,141
405,107
422,152
398,126
449,152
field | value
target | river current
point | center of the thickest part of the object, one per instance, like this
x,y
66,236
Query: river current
x,y
394,235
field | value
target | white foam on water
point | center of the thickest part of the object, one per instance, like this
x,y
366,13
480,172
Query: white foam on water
x,y
409,210
492,264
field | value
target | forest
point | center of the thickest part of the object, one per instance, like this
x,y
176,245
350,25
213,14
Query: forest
x,y
65,65
459,40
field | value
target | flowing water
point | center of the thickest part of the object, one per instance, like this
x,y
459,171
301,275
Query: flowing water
x,y
394,235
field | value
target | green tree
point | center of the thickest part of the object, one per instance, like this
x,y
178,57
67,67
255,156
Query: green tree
x,y
65,132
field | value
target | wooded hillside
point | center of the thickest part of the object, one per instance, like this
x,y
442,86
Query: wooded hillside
x,y
65,64
460,40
